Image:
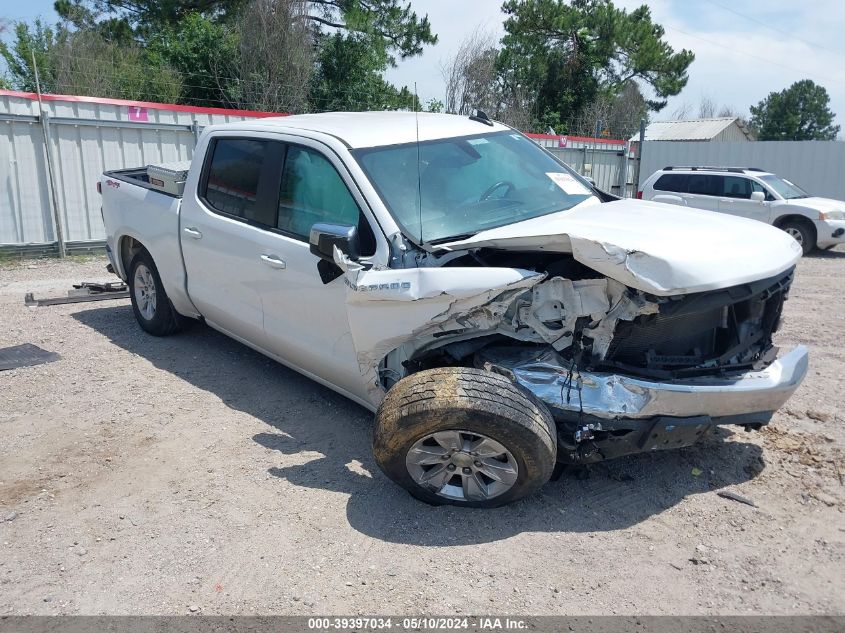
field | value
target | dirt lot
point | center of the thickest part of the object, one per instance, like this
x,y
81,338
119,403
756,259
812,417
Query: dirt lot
x,y
191,474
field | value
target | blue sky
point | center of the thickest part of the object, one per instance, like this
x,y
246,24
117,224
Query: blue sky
x,y
744,48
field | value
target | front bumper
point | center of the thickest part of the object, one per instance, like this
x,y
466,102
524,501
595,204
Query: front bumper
x,y
601,416
616,396
830,233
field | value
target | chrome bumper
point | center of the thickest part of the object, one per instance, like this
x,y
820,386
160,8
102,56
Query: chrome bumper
x,y
615,396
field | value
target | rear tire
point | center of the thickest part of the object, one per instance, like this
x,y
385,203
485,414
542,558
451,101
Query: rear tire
x,y
464,437
803,232
150,304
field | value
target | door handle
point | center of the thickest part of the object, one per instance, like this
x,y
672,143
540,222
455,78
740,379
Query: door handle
x,y
194,233
273,261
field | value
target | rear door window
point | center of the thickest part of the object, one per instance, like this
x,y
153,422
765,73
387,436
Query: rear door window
x,y
735,187
672,182
236,172
704,184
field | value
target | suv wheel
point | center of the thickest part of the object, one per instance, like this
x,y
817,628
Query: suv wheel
x,y
464,437
802,232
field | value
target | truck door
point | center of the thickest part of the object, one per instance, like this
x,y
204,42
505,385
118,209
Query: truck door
x,y
305,320
229,255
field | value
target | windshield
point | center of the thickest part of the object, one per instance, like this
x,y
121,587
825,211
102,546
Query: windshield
x,y
456,187
784,188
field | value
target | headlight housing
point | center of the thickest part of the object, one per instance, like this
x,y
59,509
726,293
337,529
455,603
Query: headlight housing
x,y
832,215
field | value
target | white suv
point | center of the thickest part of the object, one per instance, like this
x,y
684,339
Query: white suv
x,y
752,193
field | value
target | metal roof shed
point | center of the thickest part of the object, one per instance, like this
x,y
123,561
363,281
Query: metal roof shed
x,y
715,129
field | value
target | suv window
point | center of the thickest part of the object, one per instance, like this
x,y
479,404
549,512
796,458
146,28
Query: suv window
x,y
756,186
703,184
672,182
232,179
735,187
312,191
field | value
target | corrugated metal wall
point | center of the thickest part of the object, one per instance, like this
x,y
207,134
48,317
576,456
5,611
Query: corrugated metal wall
x,y
24,193
602,165
816,166
600,159
88,136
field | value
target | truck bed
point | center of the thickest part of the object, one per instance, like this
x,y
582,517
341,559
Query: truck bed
x,y
136,176
134,212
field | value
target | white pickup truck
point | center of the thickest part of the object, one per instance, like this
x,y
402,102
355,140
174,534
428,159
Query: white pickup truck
x,y
499,314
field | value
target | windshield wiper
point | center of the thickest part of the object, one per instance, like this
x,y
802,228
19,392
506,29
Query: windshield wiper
x,y
452,238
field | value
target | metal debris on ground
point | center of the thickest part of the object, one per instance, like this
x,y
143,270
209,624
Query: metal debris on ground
x,y
85,291
24,356
733,496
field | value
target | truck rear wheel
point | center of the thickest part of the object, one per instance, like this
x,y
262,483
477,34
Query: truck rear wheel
x,y
149,300
465,437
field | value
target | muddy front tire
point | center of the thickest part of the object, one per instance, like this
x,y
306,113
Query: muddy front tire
x,y
465,437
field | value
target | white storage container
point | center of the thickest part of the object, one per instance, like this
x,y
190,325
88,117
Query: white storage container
x,y
169,177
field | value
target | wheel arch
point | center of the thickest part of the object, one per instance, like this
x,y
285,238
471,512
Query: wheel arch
x,y
798,218
128,247
792,217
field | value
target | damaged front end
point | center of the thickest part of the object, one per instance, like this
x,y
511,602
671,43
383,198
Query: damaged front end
x,y
657,373
621,370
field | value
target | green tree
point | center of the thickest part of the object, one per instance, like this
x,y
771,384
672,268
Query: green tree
x,y
84,62
250,53
198,49
40,40
434,105
569,54
349,77
798,113
392,23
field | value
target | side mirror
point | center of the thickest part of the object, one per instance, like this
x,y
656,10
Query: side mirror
x,y
324,237
758,196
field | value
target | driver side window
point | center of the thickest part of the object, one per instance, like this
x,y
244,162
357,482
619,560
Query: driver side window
x,y
756,186
312,191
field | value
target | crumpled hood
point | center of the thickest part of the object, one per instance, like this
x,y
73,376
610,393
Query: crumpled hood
x,y
658,248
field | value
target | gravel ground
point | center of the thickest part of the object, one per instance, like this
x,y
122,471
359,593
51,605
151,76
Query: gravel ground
x,y
190,474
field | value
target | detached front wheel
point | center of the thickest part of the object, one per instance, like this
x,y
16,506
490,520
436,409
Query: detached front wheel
x,y
465,437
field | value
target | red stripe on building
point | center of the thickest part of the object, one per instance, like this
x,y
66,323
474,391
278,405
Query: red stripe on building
x,y
173,107
577,139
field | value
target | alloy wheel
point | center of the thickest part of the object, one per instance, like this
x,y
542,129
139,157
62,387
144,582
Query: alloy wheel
x,y
462,465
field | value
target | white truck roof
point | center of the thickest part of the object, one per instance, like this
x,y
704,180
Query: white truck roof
x,y
373,129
